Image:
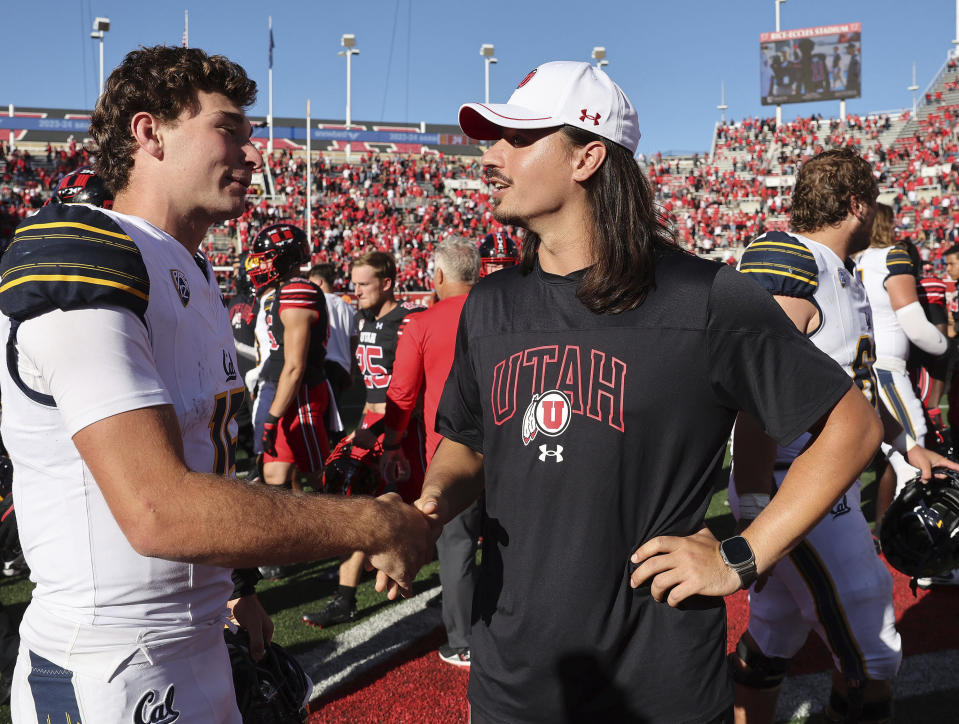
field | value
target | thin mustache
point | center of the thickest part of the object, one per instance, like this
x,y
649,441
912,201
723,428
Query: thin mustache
x,y
490,175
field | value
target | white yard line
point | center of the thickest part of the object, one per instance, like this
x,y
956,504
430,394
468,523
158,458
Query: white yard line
x,y
370,642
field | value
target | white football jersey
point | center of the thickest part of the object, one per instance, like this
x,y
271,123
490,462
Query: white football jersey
x,y
794,266
261,331
875,266
96,599
845,330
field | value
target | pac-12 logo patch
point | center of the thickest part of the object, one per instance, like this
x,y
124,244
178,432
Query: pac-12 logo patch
x,y
548,413
182,285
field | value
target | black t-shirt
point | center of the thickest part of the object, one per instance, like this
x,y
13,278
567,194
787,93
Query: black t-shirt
x,y
376,350
599,432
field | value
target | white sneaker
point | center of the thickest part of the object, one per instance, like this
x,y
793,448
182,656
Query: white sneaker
x,y
457,657
949,579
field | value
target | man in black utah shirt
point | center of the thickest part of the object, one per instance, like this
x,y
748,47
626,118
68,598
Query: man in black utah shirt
x,y
592,393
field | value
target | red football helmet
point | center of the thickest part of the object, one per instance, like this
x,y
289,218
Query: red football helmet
x,y
497,252
353,470
277,250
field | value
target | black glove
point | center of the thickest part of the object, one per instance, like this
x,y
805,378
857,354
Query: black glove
x,y
270,428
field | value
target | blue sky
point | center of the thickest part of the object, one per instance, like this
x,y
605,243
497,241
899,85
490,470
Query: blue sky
x,y
420,59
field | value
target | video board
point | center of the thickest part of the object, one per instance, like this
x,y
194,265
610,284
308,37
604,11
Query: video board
x,y
810,64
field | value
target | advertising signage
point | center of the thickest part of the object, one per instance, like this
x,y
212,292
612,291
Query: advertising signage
x,y
810,64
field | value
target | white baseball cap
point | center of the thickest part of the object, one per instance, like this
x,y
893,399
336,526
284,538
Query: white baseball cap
x,y
555,94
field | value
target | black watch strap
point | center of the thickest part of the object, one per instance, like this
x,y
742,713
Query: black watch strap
x,y
738,555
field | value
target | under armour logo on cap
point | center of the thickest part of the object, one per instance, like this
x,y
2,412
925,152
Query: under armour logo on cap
x,y
594,119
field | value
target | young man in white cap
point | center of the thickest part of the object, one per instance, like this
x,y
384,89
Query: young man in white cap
x,y
592,393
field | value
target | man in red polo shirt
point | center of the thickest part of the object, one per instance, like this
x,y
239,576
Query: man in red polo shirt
x,y
424,356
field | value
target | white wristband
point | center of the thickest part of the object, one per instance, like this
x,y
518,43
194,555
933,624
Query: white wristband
x,y
902,444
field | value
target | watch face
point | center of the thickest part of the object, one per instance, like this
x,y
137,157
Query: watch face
x,y
737,550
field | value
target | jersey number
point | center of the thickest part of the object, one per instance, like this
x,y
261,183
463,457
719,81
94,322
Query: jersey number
x,y
225,407
374,375
862,372
274,346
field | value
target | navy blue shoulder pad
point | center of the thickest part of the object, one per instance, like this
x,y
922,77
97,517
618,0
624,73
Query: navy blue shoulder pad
x,y
898,262
782,265
71,256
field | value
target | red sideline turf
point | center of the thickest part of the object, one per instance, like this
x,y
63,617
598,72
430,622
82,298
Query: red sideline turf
x,y
415,686
418,687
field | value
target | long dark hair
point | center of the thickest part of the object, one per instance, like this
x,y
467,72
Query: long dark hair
x,y
628,231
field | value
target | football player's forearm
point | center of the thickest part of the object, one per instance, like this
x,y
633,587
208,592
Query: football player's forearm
x,y
817,479
286,386
231,524
167,511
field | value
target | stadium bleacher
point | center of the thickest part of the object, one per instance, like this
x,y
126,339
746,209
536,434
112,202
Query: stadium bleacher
x,y
718,200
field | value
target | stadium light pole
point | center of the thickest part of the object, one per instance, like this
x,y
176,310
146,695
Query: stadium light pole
x,y
599,55
100,27
955,51
914,87
722,102
779,108
348,41
487,50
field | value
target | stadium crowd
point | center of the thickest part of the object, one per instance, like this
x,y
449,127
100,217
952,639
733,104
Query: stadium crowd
x,y
403,203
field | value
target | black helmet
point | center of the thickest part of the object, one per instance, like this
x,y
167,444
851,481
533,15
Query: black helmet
x,y
273,690
497,250
83,186
920,529
277,250
242,286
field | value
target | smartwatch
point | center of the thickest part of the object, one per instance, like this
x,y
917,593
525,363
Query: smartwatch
x,y
738,555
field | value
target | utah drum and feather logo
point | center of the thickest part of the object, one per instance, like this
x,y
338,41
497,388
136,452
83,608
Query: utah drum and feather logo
x,y
548,413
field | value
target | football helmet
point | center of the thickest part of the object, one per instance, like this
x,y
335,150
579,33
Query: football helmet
x,y
353,470
277,250
242,286
273,690
496,252
83,186
920,528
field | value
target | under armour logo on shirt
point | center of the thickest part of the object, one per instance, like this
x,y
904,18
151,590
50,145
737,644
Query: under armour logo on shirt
x,y
556,454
